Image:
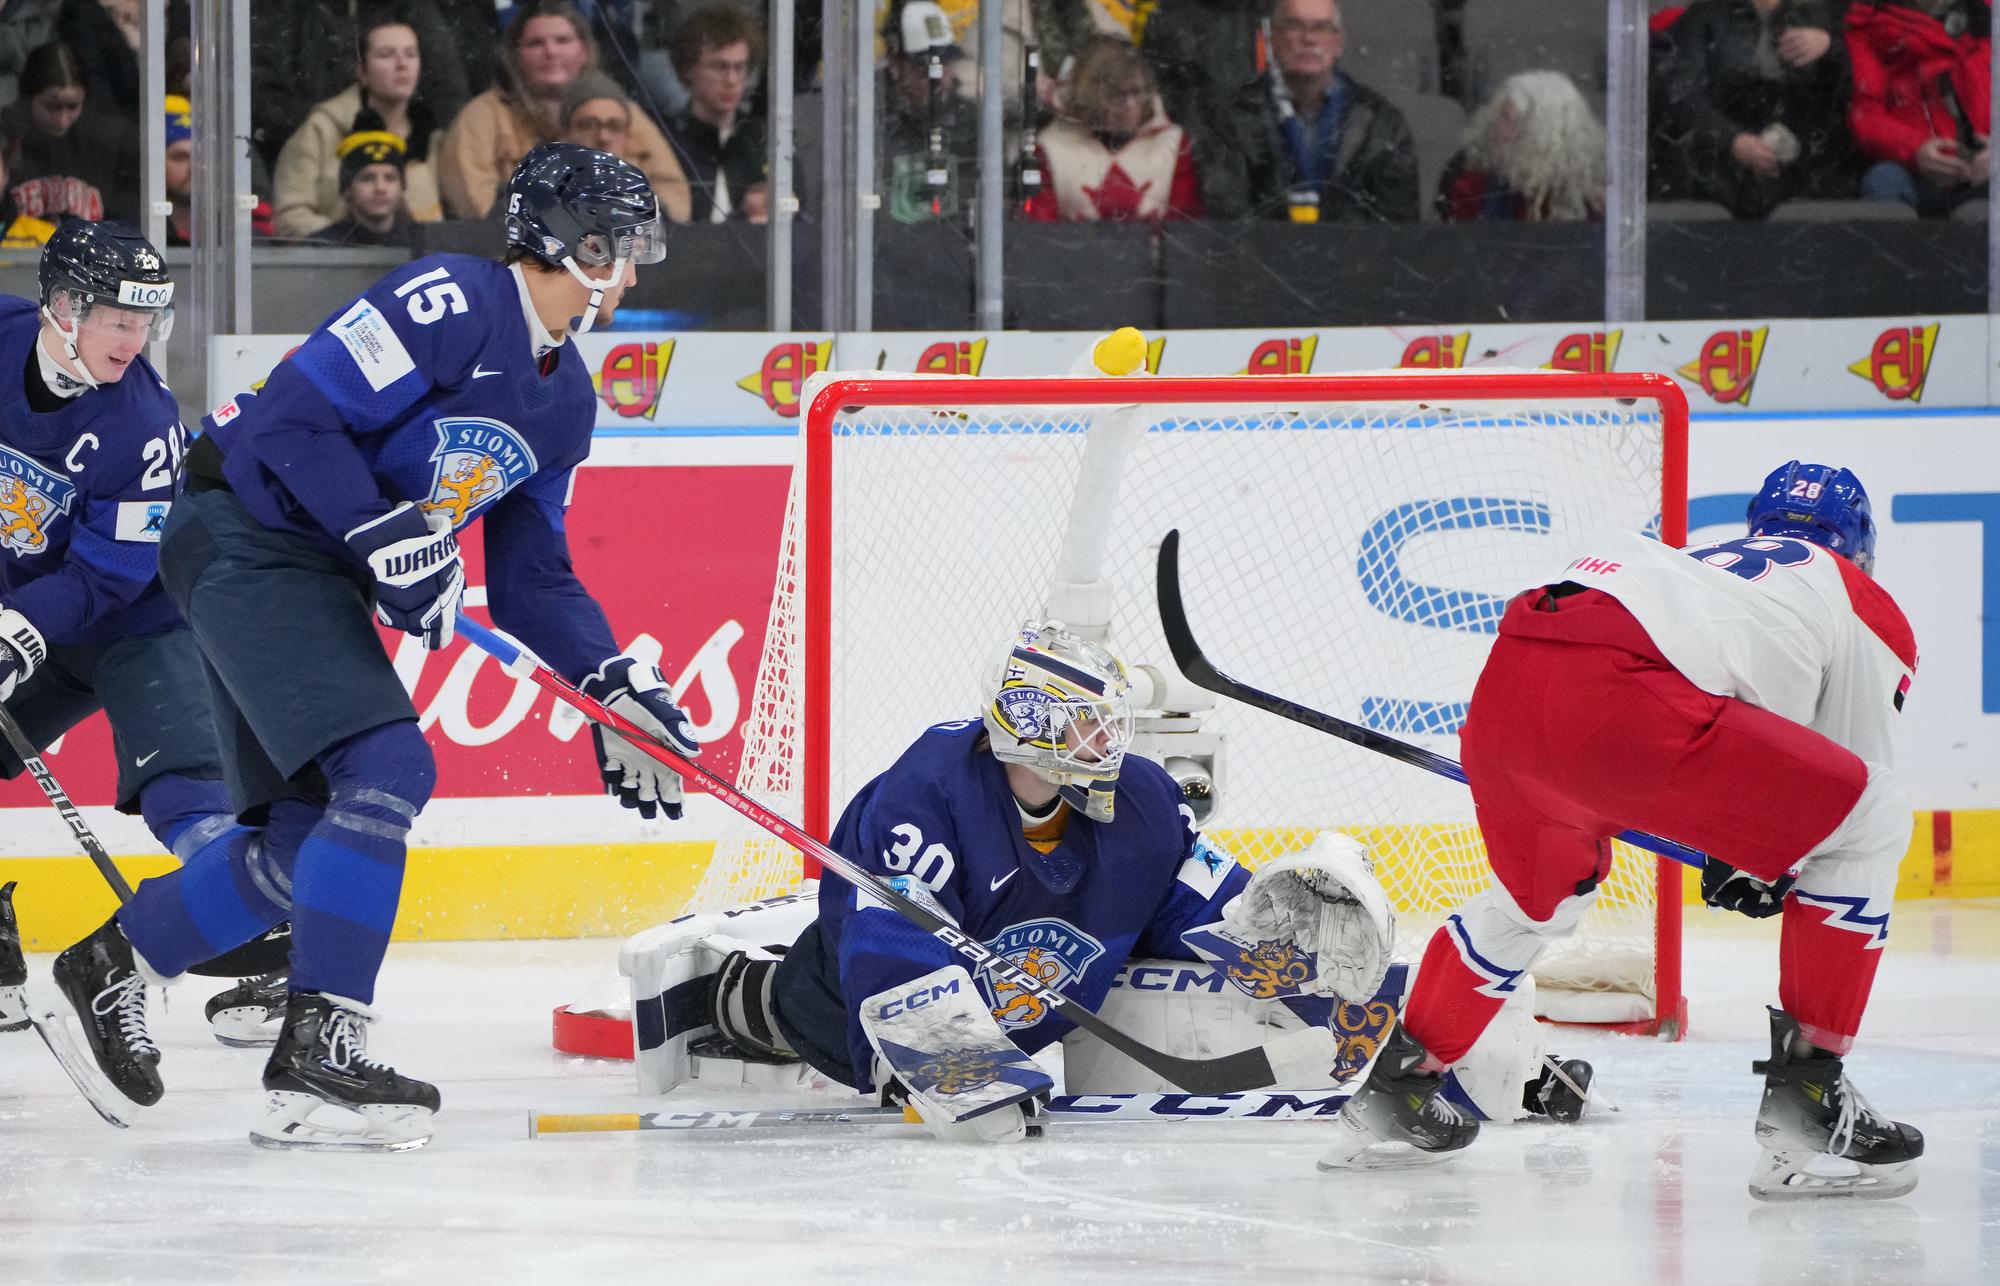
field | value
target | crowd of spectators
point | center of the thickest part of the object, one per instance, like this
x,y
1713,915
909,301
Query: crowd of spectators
x,y
371,118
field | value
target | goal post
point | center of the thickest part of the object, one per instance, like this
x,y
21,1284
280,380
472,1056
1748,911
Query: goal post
x,y
1347,540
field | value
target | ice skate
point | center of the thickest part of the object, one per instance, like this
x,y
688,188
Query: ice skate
x,y
321,1062
1821,1138
1561,1092
13,967
101,979
248,1015
1399,1117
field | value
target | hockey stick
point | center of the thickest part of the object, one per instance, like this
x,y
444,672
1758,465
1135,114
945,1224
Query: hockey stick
x,y
53,789
1188,656
1309,1052
1085,1109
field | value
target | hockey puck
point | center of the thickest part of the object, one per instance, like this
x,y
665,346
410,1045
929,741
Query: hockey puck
x,y
592,1035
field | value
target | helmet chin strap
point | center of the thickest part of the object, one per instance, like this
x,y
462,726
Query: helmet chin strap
x,y
582,325
69,338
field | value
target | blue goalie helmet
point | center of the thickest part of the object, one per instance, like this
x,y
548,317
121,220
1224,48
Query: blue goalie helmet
x,y
1820,503
1058,704
110,266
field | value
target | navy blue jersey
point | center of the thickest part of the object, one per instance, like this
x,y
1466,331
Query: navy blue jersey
x,y
428,388
943,823
84,493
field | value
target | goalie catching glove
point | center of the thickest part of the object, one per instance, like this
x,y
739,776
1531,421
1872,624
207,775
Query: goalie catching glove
x,y
939,1042
1729,889
639,693
1325,901
418,576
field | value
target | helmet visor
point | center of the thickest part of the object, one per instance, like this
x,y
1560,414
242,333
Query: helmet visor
x,y
643,243
112,321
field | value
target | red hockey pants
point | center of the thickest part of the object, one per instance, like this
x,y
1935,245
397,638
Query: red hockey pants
x,y
1579,729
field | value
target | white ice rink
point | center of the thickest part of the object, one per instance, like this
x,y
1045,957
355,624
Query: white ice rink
x,y
1651,1194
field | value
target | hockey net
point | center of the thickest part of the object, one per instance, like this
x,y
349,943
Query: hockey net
x,y
1347,542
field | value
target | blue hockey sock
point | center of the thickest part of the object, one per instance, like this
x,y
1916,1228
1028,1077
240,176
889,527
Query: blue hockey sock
x,y
350,868
226,891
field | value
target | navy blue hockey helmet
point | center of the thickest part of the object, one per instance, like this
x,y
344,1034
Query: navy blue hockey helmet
x,y
1820,503
86,265
566,201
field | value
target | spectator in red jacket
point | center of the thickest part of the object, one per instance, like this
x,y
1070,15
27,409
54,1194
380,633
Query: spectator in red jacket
x,y
1111,152
1922,81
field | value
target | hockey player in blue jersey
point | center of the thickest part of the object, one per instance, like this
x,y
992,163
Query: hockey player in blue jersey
x,y
336,496
1033,831
90,444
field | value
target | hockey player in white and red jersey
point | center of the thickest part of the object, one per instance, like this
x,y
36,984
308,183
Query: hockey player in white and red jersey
x,y
1739,697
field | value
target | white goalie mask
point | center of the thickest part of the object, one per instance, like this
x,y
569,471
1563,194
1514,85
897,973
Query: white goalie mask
x,y
1058,704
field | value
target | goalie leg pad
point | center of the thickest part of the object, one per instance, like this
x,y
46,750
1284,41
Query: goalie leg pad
x,y
941,1043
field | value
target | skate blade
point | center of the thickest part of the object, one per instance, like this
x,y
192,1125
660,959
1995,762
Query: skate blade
x,y
250,1027
287,1125
99,1092
1816,1176
1357,1148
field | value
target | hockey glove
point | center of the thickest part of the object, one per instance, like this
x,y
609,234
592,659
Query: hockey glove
x,y
1722,885
418,576
937,1039
1325,901
21,650
639,693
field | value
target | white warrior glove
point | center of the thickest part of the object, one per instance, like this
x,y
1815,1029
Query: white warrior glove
x,y
935,1036
639,693
419,578
22,650
1325,899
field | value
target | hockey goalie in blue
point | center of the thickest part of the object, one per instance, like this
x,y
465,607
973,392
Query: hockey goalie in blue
x,y
1034,831
335,496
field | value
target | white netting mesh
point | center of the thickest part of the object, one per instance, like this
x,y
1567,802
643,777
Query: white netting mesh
x,y
1351,557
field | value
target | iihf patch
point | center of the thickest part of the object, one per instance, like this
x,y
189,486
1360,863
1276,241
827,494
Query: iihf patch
x,y
141,520
1053,952
31,499
477,461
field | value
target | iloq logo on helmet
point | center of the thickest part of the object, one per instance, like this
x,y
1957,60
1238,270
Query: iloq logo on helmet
x,y
145,294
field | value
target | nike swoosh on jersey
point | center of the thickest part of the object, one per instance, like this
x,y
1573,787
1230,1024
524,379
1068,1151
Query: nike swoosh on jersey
x,y
479,374
994,887
142,762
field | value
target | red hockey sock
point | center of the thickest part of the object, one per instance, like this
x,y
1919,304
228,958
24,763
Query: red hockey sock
x,y
1446,1011
1826,966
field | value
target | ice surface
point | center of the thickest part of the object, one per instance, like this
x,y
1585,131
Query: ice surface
x,y
1654,1193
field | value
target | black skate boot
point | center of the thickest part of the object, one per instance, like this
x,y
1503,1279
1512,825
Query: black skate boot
x,y
1399,1117
1820,1137
321,1059
248,1015
1561,1091
13,967
104,986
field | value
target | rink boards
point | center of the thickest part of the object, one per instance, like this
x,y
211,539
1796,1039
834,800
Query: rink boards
x,y
675,527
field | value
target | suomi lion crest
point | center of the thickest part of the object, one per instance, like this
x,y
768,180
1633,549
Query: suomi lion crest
x,y
476,461
31,499
958,1071
1271,969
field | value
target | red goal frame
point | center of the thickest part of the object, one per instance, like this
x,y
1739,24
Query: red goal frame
x,y
1670,1006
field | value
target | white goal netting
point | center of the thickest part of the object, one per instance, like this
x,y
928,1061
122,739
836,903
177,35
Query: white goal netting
x,y
1354,557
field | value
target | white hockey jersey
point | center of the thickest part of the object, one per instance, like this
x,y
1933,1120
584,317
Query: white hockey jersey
x,y
1770,620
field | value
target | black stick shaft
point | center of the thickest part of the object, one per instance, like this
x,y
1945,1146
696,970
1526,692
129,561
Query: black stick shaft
x,y
1202,673
57,796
